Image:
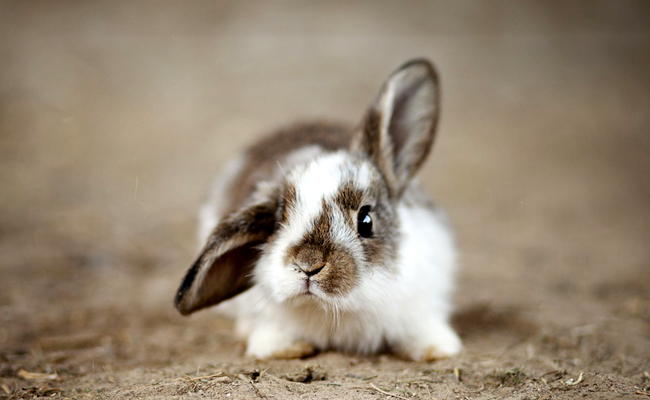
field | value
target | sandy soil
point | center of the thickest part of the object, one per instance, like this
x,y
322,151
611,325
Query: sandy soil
x,y
115,116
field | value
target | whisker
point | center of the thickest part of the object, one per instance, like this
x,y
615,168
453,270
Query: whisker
x,y
282,171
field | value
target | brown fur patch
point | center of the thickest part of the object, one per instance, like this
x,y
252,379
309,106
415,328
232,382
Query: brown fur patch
x,y
298,349
349,197
257,220
339,275
432,353
286,202
263,156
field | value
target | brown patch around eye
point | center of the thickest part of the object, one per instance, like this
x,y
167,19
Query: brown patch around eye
x,y
380,249
349,197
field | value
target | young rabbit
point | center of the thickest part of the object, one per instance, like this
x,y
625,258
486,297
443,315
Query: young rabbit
x,y
328,241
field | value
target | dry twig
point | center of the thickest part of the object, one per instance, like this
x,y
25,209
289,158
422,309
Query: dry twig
x,y
36,375
457,374
257,391
386,393
571,382
198,378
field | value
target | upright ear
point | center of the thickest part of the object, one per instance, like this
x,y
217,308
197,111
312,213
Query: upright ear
x,y
400,126
224,267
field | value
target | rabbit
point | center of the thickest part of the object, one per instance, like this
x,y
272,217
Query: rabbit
x,y
322,238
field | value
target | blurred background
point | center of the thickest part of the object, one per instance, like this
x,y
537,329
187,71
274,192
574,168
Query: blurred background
x,y
115,116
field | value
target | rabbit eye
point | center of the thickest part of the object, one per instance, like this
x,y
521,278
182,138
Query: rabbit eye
x,y
364,222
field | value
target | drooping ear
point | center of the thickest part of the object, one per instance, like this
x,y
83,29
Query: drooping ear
x,y
224,267
400,127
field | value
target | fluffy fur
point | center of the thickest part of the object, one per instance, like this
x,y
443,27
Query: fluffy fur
x,y
282,237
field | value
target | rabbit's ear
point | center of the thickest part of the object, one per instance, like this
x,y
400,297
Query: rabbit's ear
x,y
400,126
224,267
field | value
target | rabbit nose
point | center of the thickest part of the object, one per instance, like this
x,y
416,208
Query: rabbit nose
x,y
314,269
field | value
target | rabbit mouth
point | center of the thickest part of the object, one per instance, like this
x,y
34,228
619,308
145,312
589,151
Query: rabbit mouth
x,y
309,287
306,286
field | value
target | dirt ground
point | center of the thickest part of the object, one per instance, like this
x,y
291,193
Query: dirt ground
x,y
115,116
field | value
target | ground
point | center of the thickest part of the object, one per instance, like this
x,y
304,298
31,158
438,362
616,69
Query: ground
x,y
115,116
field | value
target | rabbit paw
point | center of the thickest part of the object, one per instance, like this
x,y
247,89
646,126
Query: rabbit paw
x,y
437,344
269,342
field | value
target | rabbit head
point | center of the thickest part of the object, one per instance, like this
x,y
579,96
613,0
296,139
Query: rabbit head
x,y
322,230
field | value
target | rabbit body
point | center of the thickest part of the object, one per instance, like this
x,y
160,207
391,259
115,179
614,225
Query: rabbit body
x,y
322,238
